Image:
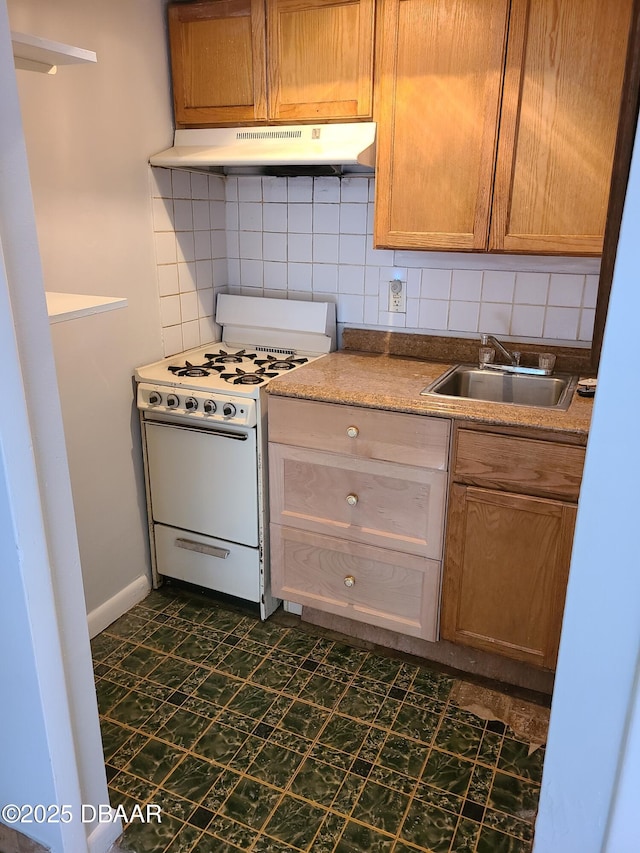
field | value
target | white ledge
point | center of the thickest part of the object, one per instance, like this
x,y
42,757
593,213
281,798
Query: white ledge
x,y
32,53
69,306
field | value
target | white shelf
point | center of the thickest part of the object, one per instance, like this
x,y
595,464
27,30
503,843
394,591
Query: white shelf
x,y
32,53
69,306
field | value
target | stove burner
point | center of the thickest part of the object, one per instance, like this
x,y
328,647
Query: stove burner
x,y
241,377
223,357
274,363
188,369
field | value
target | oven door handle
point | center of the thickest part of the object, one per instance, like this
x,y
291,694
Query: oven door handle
x,y
202,548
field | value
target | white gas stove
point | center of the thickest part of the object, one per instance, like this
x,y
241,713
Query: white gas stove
x,y
203,417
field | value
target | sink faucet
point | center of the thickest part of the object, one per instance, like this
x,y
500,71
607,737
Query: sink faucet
x,y
512,358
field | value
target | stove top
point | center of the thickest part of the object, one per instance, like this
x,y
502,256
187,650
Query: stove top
x,y
222,367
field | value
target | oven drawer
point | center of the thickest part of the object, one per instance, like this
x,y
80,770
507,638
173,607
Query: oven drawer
x,y
368,433
207,562
373,585
376,503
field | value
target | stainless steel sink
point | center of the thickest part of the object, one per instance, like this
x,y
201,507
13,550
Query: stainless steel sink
x,y
473,383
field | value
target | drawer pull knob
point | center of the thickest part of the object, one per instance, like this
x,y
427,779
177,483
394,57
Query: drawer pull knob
x,y
352,431
352,500
349,580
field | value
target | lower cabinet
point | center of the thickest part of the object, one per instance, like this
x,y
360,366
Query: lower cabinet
x,y
359,532
511,517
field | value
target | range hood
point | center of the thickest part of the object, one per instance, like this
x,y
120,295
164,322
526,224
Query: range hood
x,y
328,149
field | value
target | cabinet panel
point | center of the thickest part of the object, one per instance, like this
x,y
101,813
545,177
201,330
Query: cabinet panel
x,y
519,464
320,58
563,85
367,433
218,62
391,590
506,568
380,503
438,101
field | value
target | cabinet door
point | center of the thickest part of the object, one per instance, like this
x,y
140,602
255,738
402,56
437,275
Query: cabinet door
x,y
218,62
438,102
563,84
320,59
505,573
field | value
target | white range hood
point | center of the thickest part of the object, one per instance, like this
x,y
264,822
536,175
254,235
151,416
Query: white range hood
x,y
289,149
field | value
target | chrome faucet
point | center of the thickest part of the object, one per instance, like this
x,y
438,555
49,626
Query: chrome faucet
x,y
512,358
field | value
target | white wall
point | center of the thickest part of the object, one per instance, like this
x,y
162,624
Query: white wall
x,y
89,131
596,679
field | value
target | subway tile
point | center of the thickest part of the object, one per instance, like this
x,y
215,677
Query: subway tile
x,y
209,330
371,280
250,189
433,314
325,278
204,274
372,189
299,248
189,306
587,318
185,246
205,302
217,214
436,284
250,216
162,209
527,320
300,218
183,214
326,189
274,217
231,189
371,310
167,279
275,275
187,277
274,188
165,248
370,218
299,276
378,257
354,189
495,318
202,246
170,310
299,189
590,295
233,244
413,313
466,285
161,182
274,246
531,288
251,273
413,284
220,272
190,334
352,249
218,244
566,290
251,245
394,320
216,187
326,218
201,218
172,340
199,186
325,248
232,216
561,323
350,308
464,316
353,218
350,279
498,286
233,272
180,184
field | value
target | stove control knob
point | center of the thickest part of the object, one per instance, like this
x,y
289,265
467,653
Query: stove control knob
x,y
154,398
191,404
172,401
210,407
228,410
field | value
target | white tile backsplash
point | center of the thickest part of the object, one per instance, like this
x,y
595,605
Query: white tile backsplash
x,y
311,238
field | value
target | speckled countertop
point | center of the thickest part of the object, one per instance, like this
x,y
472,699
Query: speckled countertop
x,y
391,382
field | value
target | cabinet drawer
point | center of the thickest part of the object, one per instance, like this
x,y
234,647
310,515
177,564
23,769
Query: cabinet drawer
x,y
378,503
373,585
369,433
520,465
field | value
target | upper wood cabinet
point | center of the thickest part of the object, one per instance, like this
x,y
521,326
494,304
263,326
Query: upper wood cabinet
x,y
300,60
497,123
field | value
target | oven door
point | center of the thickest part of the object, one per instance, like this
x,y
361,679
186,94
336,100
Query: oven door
x,y
204,480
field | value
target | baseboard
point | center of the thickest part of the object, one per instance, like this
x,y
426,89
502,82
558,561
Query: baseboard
x,y
118,604
104,835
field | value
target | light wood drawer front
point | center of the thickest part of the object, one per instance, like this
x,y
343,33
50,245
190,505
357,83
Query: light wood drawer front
x,y
369,433
379,503
396,591
519,464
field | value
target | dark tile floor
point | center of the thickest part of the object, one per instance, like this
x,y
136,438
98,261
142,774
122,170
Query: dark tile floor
x,y
254,736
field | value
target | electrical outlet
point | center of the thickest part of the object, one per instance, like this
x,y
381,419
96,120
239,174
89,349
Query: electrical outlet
x,y
397,297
